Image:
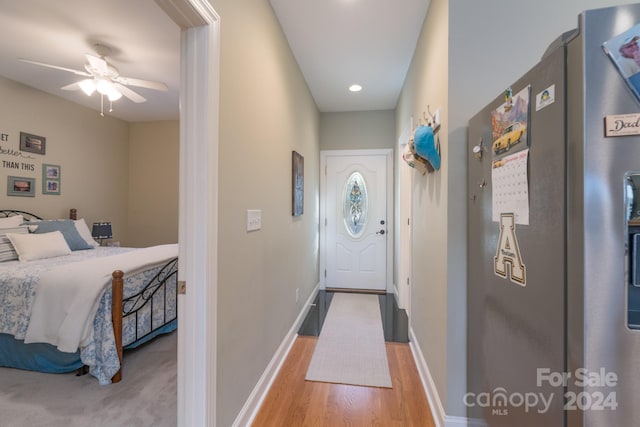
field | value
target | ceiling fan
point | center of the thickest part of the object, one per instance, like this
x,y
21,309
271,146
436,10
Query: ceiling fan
x,y
104,78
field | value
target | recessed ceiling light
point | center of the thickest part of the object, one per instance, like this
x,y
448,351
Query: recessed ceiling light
x,y
355,88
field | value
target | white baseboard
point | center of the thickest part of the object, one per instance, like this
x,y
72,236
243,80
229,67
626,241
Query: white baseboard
x,y
440,417
253,403
437,410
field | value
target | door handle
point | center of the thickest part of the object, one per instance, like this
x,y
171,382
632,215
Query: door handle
x,y
381,232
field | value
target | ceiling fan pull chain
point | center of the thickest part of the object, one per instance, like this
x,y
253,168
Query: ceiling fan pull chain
x,y
101,105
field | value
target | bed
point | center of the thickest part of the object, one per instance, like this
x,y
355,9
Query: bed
x,y
82,307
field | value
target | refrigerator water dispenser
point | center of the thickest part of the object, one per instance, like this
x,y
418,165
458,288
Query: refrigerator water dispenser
x,y
632,205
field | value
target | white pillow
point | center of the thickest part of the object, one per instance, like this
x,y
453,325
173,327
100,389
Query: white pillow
x,y
38,246
84,232
7,253
11,221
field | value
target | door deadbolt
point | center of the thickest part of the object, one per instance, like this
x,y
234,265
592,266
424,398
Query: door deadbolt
x,y
382,222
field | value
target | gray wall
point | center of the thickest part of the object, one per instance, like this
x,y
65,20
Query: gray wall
x,y
266,111
483,62
474,50
429,285
357,130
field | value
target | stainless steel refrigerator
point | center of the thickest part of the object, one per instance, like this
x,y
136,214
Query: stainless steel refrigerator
x,y
553,292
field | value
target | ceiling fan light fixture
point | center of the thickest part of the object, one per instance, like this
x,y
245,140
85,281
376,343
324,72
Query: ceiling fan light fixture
x,y
114,95
87,86
355,88
104,86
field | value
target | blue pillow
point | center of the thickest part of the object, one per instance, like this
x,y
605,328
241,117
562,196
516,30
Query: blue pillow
x,y
68,230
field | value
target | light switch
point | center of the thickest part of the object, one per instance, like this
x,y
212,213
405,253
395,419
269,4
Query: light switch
x,y
254,219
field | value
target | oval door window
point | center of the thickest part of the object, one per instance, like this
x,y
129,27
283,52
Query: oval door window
x,y
355,204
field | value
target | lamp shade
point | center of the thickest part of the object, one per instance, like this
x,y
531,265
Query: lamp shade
x,y
101,230
88,86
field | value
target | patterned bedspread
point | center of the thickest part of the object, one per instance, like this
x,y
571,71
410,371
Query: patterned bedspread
x,y
18,282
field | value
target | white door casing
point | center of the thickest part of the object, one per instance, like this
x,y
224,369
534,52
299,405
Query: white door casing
x,y
356,238
198,236
404,191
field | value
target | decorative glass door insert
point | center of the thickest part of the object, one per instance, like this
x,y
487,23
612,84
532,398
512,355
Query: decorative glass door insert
x,y
355,204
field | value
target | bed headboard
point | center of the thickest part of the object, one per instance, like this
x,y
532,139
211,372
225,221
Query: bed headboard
x,y
5,213
28,216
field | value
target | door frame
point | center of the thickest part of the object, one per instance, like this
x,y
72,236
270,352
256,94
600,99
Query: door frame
x,y
404,223
404,226
198,216
324,155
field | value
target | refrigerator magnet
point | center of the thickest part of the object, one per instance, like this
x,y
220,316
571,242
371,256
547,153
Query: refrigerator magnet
x,y
622,125
546,97
508,252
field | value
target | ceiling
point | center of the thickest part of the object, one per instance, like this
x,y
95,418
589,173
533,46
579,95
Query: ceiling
x,y
335,42
61,32
341,42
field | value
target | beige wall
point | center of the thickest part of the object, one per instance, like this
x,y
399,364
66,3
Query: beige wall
x,y
357,130
111,170
91,150
266,111
153,183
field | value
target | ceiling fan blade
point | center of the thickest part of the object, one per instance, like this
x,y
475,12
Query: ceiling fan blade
x,y
88,86
141,83
97,63
135,97
72,86
56,67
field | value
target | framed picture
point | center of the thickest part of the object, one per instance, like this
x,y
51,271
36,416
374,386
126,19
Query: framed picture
x,y
50,179
20,186
50,186
297,170
50,171
32,143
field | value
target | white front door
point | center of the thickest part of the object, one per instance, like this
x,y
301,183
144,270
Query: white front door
x,y
356,220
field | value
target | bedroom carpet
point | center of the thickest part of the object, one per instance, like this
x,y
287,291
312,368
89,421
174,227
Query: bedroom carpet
x,y
351,348
146,396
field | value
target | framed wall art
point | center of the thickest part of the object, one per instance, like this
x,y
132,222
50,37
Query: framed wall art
x,y
33,143
20,186
297,172
50,179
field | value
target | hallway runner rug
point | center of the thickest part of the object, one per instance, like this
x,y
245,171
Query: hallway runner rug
x,y
351,349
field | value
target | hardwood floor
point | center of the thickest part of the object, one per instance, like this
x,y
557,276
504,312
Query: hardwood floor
x,y
293,402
